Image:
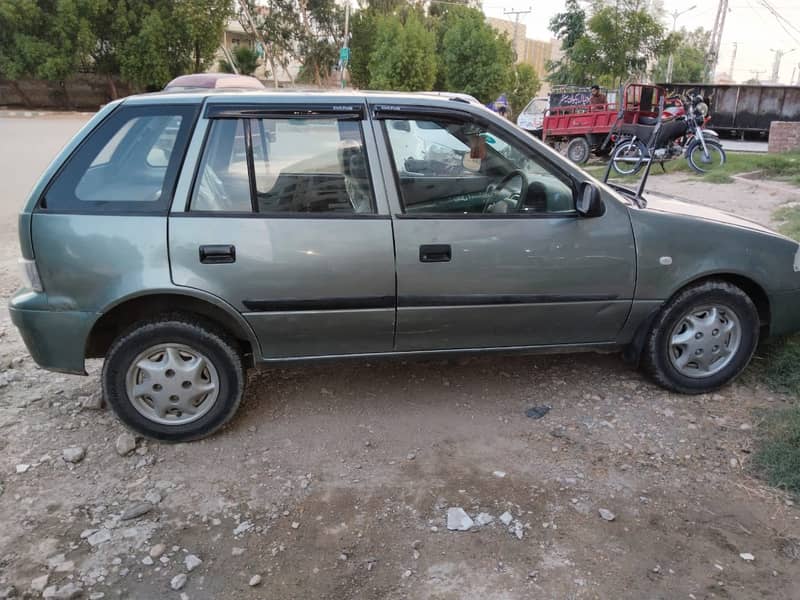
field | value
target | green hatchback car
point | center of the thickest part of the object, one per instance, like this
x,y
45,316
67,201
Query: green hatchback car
x,y
188,236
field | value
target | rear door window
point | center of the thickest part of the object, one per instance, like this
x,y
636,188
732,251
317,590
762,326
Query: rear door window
x,y
129,163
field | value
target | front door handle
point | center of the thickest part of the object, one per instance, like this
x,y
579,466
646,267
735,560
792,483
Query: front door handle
x,y
216,254
435,253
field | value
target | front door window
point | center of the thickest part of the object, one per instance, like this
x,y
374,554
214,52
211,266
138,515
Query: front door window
x,y
446,167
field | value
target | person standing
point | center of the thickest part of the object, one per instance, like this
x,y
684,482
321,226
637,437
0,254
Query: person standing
x,y
597,97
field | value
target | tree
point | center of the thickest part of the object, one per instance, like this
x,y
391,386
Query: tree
x,y
617,44
245,59
688,58
525,85
173,37
363,36
323,23
405,55
475,58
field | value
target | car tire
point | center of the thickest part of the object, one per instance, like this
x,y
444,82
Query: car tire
x,y
578,150
702,339
176,378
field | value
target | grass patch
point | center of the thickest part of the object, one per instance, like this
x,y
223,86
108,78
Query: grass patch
x,y
777,458
789,216
781,360
784,166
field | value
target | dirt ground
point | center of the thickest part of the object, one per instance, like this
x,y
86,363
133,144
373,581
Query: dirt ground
x,y
334,481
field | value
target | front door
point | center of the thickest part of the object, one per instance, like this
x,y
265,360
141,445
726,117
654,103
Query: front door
x,y
283,222
490,251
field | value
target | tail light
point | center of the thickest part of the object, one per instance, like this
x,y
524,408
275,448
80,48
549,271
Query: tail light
x,y
30,275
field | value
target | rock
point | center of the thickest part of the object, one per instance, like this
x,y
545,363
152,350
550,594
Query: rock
x,y
458,520
411,455
606,514
747,556
499,474
243,527
178,581
237,551
125,444
192,562
65,567
39,583
147,560
135,511
506,518
483,519
98,537
406,574
295,524
94,401
153,497
22,467
157,550
518,530
96,595
75,454
254,580
416,544
66,592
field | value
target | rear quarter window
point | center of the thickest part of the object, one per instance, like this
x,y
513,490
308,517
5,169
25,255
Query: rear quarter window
x,y
128,163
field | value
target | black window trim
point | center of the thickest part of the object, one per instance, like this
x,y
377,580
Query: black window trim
x,y
383,112
255,214
344,111
105,207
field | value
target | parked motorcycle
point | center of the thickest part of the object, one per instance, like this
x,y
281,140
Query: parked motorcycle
x,y
679,131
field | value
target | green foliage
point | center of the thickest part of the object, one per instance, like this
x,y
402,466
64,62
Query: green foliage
x,y
525,85
245,59
777,456
323,36
688,58
364,24
404,57
475,59
616,45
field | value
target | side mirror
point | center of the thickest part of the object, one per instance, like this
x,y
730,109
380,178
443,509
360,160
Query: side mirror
x,y
589,203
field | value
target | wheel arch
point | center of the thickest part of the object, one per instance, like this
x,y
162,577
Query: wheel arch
x,y
752,288
119,316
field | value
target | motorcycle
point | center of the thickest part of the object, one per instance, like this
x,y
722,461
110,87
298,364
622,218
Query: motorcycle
x,y
679,131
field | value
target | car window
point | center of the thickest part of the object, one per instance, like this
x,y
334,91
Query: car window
x,y
453,167
128,163
303,166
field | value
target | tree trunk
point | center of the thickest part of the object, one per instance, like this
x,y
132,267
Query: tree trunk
x,y
274,70
112,87
25,100
196,57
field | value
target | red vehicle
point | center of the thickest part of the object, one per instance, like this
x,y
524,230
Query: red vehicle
x,y
587,128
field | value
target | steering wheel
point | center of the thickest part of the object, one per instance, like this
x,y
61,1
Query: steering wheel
x,y
493,198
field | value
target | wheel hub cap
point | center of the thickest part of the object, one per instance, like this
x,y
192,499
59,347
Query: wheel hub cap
x,y
172,384
704,341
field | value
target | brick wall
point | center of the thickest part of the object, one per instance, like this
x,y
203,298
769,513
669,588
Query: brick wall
x,y
784,136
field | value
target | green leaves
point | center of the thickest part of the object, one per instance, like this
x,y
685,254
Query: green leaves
x,y
405,55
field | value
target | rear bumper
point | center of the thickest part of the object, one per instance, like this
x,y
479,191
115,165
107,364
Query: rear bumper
x,y
784,312
55,339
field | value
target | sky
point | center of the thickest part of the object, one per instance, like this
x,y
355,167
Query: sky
x,y
748,23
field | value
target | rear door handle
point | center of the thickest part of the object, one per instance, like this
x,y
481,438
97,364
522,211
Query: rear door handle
x,y
435,253
216,254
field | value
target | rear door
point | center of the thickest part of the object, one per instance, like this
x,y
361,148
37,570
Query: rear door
x,y
285,222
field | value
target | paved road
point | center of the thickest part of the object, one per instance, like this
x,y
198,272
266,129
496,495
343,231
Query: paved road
x,y
746,146
27,145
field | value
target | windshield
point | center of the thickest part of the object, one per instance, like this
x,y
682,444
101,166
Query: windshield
x,y
536,106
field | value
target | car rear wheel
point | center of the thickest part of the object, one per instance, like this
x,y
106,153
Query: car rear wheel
x,y
702,339
174,379
578,150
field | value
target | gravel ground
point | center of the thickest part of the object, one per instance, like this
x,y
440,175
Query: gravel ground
x,y
335,481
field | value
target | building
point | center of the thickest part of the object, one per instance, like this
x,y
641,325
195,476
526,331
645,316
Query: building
x,y
534,52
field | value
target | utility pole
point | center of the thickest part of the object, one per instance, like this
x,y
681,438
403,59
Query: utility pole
x,y
344,53
716,38
776,64
675,15
733,60
516,14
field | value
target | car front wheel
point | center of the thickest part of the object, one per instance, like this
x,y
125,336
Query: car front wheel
x,y
702,339
174,379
